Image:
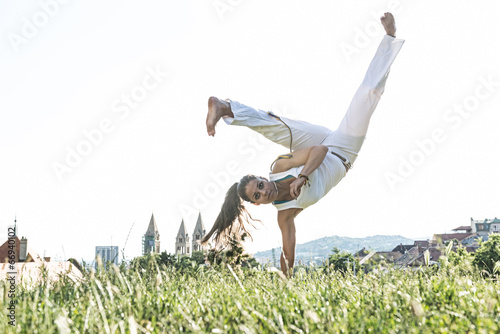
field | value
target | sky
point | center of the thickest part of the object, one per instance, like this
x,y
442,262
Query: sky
x,y
104,104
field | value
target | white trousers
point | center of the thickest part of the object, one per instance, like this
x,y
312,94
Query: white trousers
x,y
350,134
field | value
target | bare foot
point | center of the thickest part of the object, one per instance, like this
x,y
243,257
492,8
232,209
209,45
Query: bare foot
x,y
389,24
216,109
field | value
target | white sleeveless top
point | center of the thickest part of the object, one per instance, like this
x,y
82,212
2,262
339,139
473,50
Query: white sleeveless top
x,y
324,178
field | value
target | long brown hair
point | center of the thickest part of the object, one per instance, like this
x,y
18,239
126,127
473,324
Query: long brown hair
x,y
230,222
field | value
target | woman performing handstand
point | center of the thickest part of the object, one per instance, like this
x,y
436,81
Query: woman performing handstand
x,y
319,157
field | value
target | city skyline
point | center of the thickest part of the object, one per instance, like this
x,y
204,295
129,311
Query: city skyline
x,y
105,104
120,249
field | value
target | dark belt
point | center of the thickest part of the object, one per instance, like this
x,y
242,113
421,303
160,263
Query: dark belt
x,y
347,163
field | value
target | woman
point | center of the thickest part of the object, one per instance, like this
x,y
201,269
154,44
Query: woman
x,y
319,157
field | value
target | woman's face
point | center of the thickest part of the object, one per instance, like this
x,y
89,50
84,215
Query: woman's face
x,y
261,191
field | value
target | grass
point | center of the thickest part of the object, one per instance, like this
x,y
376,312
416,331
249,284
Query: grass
x,y
161,300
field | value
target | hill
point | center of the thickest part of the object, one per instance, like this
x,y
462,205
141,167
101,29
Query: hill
x,y
318,250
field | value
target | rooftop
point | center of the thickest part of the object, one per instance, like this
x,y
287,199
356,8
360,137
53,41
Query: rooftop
x,y
463,228
450,236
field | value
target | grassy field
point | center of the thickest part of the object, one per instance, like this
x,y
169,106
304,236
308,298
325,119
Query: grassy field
x,y
445,299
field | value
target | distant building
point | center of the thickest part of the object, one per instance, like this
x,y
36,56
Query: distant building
x,y
107,254
151,240
463,229
415,257
402,248
423,243
465,236
377,257
485,227
472,240
29,264
468,235
444,238
182,244
22,252
182,241
198,233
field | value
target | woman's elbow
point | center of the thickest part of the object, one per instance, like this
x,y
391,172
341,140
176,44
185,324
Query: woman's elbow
x,y
323,149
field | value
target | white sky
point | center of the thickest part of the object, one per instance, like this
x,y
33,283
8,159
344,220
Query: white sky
x,y
69,74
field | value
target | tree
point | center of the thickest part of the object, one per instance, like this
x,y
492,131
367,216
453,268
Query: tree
x,y
167,259
198,257
460,257
488,254
234,255
147,262
342,261
182,263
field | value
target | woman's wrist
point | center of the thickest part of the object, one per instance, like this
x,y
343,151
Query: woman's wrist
x,y
305,177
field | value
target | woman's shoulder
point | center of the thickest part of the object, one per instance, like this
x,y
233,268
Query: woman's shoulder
x,y
284,163
279,165
293,159
279,174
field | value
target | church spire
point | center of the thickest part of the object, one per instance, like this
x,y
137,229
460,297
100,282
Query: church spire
x,y
182,230
182,246
198,233
200,227
152,228
151,240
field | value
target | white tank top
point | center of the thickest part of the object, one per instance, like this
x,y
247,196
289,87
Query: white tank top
x,y
324,178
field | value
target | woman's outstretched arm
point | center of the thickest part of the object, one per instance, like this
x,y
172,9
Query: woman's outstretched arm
x,y
286,222
309,157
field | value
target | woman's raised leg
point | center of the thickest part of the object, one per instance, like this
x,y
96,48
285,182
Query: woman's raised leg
x,y
276,129
350,134
348,138
364,102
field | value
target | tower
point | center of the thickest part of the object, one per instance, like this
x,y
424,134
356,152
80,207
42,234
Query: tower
x,y
198,233
107,254
151,240
182,241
